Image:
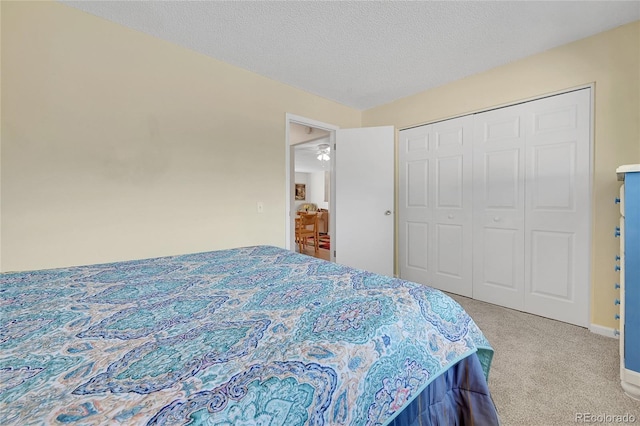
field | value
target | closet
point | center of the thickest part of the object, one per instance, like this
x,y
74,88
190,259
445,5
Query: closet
x,y
496,206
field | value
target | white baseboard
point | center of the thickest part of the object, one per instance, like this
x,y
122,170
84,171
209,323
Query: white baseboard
x,y
604,331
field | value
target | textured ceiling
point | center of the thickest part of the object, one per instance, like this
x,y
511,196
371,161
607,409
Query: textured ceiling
x,y
367,53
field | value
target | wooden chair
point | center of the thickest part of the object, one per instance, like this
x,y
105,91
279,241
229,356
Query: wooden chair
x,y
307,226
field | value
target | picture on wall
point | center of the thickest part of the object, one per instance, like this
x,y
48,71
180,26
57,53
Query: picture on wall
x,y
301,191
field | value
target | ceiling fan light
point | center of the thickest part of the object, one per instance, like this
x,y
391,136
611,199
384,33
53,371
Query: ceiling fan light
x,y
323,152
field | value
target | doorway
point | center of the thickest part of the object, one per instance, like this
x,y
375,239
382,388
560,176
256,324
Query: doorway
x,y
311,155
361,217
310,181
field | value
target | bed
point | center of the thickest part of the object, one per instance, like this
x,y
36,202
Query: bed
x,y
247,336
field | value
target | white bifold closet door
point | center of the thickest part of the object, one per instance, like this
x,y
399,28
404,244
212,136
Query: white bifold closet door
x,y
530,212
435,205
498,205
531,207
558,207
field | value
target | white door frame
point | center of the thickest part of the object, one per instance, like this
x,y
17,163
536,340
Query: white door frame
x,y
290,178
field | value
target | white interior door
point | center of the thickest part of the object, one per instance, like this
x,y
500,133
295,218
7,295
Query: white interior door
x,y
452,177
557,207
364,198
435,205
531,207
528,242
415,204
498,200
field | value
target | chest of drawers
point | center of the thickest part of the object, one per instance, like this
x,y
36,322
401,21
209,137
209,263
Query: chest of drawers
x,y
629,265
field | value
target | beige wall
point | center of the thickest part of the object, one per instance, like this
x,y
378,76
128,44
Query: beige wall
x,y
611,60
117,145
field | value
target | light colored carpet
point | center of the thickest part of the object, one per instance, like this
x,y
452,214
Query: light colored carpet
x,y
544,372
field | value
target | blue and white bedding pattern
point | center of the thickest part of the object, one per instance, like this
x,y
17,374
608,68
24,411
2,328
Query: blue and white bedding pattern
x,y
255,335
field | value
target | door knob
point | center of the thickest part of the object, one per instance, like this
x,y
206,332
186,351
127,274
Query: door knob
x,y
387,213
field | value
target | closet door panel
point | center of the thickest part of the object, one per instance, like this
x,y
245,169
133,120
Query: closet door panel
x,y
553,177
435,207
552,264
449,182
451,249
557,207
417,237
498,235
501,183
415,198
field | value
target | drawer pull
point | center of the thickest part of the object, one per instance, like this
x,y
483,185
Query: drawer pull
x,y
616,286
617,200
616,302
617,232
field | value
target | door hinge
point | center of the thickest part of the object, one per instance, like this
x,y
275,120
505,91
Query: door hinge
x,y
334,253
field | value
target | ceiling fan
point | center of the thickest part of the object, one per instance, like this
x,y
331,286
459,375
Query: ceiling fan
x,y
323,152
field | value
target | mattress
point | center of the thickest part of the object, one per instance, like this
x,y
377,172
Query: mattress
x,y
254,335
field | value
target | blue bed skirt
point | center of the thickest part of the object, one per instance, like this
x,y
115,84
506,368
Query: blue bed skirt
x,y
459,396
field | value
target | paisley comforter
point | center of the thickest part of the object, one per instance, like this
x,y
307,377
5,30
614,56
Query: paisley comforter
x,y
254,335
